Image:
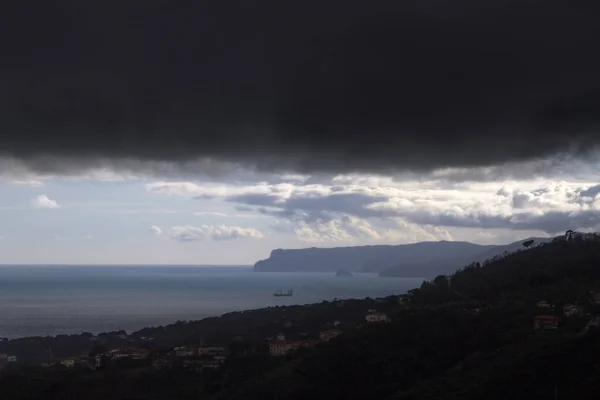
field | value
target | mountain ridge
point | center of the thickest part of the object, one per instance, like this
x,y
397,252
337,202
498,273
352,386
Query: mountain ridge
x,y
420,259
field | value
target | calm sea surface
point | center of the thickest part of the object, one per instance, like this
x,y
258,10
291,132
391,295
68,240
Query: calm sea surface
x,y
51,300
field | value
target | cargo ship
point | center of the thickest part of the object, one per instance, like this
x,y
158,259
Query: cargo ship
x,y
281,293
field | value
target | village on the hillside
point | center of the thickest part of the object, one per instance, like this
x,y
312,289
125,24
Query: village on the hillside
x,y
195,357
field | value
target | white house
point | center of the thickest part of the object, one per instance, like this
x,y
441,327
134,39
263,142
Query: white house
x,y
543,304
68,362
377,317
571,309
185,352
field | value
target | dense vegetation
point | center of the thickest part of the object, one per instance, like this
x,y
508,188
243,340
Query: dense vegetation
x,y
465,336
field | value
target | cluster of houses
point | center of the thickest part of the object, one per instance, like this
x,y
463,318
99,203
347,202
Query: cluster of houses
x,y
280,346
92,363
550,321
6,359
193,357
373,316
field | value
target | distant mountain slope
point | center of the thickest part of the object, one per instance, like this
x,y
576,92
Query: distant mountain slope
x,y
449,262
369,258
510,248
421,260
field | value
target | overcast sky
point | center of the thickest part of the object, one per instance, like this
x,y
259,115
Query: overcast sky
x,y
106,217
211,132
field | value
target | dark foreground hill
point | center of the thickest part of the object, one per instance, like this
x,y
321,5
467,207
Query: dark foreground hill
x,y
467,337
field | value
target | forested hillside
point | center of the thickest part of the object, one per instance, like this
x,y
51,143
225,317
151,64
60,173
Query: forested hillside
x,y
469,335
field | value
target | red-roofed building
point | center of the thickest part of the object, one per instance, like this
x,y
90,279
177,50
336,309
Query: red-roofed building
x,y
282,347
546,322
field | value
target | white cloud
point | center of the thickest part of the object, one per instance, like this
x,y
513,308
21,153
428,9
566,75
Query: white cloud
x,y
156,230
535,204
346,228
224,215
28,182
189,233
44,202
352,229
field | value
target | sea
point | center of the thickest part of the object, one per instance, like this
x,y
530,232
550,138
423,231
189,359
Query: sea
x,y
53,300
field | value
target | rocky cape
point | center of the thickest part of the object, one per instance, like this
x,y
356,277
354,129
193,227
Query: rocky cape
x,y
417,260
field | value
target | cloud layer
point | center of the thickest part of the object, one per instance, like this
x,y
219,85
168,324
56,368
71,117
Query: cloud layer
x,y
309,86
189,233
348,206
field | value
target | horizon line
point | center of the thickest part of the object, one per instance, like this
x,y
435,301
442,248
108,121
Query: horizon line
x,y
123,265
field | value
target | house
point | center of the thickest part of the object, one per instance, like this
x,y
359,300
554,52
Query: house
x,y
329,334
377,317
134,354
571,309
543,304
68,362
280,347
211,351
546,322
283,347
185,351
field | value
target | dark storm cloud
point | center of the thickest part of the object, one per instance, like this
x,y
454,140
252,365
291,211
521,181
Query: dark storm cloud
x,y
308,86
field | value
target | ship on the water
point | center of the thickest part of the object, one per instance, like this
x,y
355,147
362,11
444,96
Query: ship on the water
x,y
281,293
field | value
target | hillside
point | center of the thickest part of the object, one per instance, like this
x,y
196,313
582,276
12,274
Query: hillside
x,y
449,262
427,256
467,336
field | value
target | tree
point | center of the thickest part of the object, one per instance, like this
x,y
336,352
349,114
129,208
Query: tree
x,y
527,244
97,350
441,280
569,235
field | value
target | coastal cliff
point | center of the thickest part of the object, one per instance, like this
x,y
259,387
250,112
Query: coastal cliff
x,y
416,260
421,259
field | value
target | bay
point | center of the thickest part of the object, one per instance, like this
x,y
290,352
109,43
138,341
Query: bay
x,y
52,300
